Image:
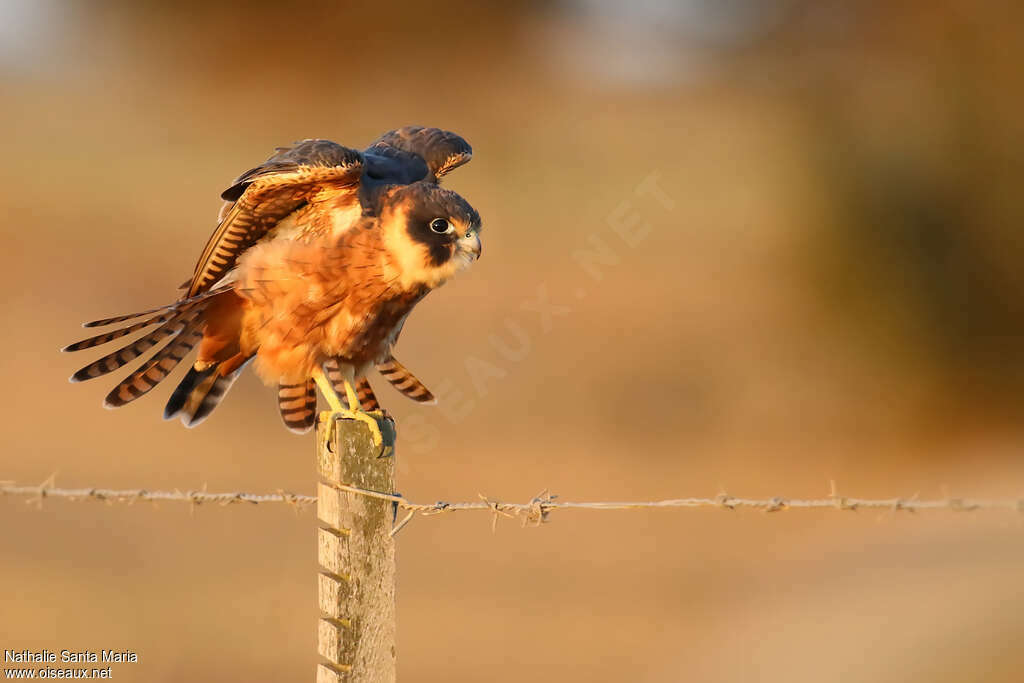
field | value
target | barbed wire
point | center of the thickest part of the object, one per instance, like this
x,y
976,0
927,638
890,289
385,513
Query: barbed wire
x,y
534,512
36,494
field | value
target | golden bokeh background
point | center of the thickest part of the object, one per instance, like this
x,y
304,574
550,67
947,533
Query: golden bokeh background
x,y
826,285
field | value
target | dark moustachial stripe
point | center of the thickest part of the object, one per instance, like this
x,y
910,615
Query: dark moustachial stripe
x,y
441,253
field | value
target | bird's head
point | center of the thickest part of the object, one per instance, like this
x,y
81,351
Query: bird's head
x,y
432,233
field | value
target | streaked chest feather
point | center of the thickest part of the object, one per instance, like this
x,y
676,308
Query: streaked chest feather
x,y
307,301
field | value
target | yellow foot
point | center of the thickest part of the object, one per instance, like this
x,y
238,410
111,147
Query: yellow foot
x,y
339,411
372,419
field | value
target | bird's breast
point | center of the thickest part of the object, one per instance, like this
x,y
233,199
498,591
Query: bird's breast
x,y
365,327
310,300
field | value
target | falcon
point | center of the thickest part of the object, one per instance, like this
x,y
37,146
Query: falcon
x,y
319,255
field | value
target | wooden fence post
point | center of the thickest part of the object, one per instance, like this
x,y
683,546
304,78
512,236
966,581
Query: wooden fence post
x,y
356,633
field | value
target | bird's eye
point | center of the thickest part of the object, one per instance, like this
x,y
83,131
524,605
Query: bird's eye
x,y
440,226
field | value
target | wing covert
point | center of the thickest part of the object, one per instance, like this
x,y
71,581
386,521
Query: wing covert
x,y
415,153
309,171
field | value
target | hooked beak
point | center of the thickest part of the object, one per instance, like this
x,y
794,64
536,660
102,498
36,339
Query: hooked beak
x,y
470,244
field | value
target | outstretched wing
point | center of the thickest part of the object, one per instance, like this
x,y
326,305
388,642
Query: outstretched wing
x,y
309,171
414,153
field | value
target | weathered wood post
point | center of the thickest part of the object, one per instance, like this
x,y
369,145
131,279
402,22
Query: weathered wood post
x,y
356,634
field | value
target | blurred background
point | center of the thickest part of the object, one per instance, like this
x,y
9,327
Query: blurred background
x,y
749,246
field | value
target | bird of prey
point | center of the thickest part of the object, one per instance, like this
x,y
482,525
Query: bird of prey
x,y
319,255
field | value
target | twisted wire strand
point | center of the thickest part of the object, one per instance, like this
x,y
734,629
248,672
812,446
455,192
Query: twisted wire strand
x,y
535,511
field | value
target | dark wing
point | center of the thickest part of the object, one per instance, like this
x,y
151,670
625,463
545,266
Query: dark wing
x,y
414,153
261,197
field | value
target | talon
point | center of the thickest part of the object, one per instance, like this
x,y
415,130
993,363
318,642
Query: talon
x,y
368,418
352,411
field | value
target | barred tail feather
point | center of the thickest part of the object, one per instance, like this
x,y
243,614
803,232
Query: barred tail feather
x,y
199,393
404,381
364,392
126,354
156,369
101,339
176,306
129,316
367,399
192,381
333,372
297,403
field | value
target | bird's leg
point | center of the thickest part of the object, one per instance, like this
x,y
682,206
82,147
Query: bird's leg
x,y
339,411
